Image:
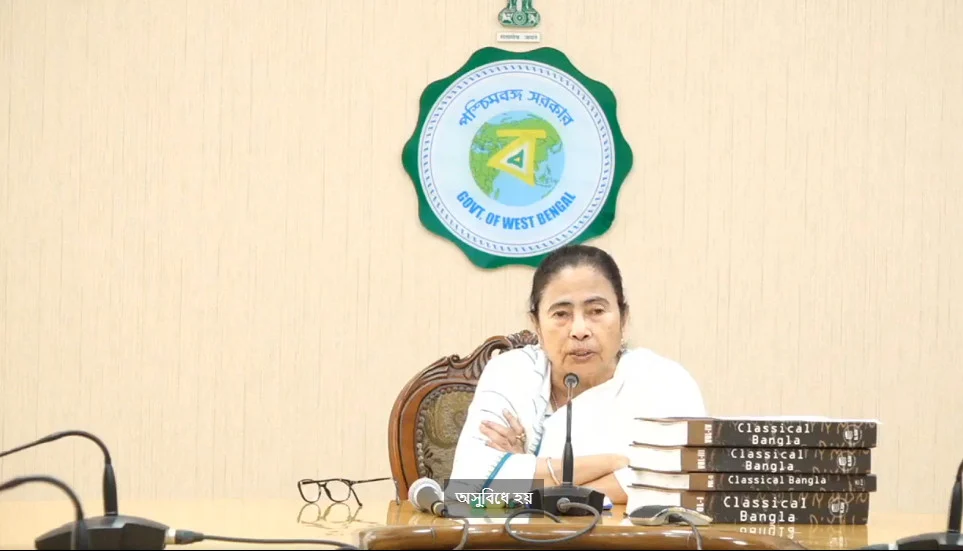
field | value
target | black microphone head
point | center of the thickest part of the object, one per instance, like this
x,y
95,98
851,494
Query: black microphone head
x,y
571,380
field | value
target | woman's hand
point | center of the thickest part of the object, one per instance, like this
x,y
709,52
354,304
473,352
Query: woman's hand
x,y
509,439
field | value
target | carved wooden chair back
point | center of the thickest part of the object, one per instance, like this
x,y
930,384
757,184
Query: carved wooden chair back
x,y
429,412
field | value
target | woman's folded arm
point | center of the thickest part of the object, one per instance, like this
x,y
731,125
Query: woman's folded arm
x,y
587,468
610,486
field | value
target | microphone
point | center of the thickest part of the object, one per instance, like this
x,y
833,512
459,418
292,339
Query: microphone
x,y
568,459
951,539
111,531
110,483
79,538
956,503
426,496
559,500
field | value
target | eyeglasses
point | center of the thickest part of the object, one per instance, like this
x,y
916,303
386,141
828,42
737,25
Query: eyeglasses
x,y
337,489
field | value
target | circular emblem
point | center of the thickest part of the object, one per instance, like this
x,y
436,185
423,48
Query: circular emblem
x,y
838,507
517,154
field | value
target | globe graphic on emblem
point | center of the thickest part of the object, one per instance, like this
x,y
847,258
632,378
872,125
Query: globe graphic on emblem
x,y
517,158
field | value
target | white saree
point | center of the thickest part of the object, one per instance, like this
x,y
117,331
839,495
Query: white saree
x,y
644,385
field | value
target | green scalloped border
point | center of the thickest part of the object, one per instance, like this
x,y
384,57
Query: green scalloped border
x,y
549,56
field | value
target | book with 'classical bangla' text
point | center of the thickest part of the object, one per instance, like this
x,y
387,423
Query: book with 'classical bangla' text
x,y
755,470
752,482
769,432
750,460
762,507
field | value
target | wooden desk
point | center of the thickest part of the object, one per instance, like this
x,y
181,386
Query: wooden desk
x,y
21,522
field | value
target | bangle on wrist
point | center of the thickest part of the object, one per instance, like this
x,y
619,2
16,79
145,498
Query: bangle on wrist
x,y
551,471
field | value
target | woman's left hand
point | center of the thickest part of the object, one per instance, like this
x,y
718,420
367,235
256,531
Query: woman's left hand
x,y
507,439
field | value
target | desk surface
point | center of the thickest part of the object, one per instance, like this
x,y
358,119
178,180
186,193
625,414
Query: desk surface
x,y
21,522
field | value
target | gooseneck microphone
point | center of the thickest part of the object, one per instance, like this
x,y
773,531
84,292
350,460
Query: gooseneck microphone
x,y
568,458
79,538
956,503
110,483
115,531
567,498
111,531
951,539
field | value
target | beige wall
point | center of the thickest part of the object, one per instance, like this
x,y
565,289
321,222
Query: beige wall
x,y
210,254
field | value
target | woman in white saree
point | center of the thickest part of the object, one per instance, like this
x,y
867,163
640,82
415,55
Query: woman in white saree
x,y
515,427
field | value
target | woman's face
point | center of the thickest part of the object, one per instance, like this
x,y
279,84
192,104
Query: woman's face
x,y
579,324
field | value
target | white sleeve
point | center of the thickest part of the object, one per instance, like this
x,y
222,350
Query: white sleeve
x,y
683,395
476,465
660,387
667,390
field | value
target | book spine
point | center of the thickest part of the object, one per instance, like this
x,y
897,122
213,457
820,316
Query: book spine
x,y
781,482
782,434
841,508
776,460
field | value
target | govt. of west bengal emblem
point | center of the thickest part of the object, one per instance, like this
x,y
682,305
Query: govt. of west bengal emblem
x,y
516,155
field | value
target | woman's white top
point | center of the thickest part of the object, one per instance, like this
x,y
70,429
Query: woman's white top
x,y
644,385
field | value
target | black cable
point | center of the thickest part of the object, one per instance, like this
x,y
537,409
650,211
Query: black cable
x,y
695,530
80,538
563,505
186,537
58,436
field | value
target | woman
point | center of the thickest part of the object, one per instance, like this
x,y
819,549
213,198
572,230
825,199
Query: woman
x,y
515,426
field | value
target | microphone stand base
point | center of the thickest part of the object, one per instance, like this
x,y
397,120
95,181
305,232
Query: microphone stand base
x,y
934,540
110,533
546,499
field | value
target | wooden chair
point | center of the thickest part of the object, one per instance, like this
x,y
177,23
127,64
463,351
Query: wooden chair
x,y
428,415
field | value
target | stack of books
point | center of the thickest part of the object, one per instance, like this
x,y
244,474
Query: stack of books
x,y
755,470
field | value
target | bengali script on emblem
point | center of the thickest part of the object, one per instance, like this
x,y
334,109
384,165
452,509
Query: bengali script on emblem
x,y
473,105
484,103
556,108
